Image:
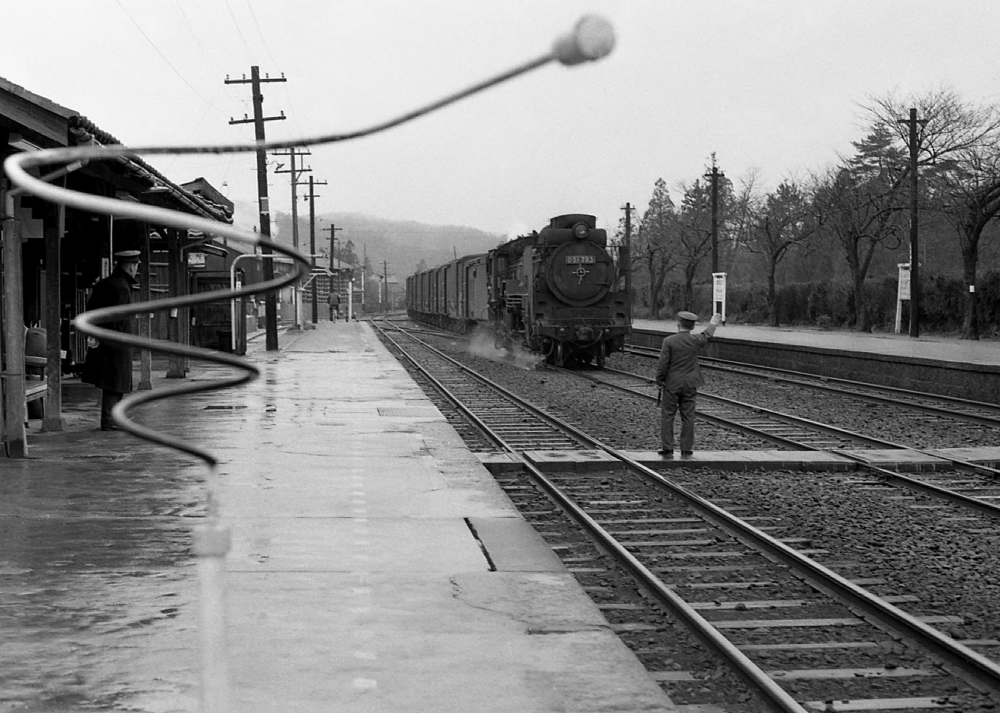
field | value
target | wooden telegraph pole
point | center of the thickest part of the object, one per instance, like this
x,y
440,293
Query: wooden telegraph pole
x,y
270,300
312,241
334,273
914,144
295,174
714,175
625,259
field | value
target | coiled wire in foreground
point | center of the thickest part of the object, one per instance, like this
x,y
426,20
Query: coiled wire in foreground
x,y
591,39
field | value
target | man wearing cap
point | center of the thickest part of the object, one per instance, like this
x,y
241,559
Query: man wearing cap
x,y
109,366
678,376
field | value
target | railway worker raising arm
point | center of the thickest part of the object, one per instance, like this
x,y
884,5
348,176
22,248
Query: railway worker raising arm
x,y
678,376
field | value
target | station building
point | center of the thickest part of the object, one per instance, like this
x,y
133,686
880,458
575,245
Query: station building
x,y
53,255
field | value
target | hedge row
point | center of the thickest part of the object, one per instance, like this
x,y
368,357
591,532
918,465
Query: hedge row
x,y
831,304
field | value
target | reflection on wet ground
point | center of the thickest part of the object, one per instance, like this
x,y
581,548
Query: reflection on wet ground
x,y
97,580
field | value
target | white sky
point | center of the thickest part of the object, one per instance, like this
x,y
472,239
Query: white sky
x,y
766,84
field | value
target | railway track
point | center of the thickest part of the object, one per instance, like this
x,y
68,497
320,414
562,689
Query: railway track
x,y
802,638
486,409
935,405
957,479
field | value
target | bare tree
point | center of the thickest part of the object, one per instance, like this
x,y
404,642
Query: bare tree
x,y
774,225
948,126
860,203
968,193
694,228
958,146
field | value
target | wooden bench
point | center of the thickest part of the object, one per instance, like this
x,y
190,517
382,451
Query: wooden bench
x,y
36,386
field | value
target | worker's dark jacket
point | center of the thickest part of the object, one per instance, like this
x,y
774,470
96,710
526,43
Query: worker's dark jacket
x,y
109,367
677,369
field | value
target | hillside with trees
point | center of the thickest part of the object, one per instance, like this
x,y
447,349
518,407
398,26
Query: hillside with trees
x,y
375,244
403,245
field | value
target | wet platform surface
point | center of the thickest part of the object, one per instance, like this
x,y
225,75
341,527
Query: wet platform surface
x,y
375,565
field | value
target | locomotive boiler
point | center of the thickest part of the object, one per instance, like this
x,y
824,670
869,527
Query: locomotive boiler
x,y
559,292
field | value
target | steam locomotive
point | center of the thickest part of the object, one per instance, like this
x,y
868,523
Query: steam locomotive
x,y
559,292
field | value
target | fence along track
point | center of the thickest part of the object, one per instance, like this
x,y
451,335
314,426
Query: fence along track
x,y
879,611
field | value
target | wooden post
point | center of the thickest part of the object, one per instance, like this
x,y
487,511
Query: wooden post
x,y
13,319
184,287
175,364
145,328
52,419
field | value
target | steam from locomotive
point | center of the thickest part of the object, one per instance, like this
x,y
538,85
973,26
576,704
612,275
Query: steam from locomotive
x,y
560,292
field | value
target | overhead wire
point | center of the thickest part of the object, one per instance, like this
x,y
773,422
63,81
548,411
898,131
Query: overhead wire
x,y
263,40
592,38
239,30
158,51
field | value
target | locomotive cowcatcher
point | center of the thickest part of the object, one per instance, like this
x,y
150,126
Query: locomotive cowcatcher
x,y
557,292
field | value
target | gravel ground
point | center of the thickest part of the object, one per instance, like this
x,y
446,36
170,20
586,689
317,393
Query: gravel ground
x,y
945,555
956,563
632,424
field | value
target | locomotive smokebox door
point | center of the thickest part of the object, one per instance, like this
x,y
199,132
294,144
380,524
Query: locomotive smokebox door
x,y
579,273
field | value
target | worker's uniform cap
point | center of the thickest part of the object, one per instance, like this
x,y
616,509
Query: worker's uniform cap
x,y
688,316
127,256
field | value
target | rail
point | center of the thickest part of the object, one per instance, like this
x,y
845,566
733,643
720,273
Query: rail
x,y
974,667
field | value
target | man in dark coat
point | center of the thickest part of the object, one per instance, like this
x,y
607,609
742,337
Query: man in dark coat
x,y
109,366
679,377
334,301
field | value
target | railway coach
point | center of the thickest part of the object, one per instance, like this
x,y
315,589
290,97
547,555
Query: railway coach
x,y
560,292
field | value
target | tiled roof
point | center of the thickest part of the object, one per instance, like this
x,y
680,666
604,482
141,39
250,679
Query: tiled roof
x,y
83,128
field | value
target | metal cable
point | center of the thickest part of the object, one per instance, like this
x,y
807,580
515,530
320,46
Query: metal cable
x,y
591,39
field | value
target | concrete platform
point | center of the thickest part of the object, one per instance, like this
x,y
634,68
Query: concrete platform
x,y
375,563
968,369
982,352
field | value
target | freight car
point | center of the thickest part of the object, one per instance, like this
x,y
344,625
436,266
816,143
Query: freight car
x,y
560,292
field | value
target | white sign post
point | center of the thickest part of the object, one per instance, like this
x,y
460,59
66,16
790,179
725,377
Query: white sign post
x,y
903,293
719,294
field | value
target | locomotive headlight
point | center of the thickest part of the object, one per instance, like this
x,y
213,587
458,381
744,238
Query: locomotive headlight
x,y
580,231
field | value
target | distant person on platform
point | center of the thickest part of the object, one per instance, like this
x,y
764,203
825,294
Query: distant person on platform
x,y
109,366
334,306
678,376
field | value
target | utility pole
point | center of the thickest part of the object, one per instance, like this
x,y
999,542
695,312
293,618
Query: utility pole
x,y
714,175
364,264
295,174
270,300
385,284
333,237
312,241
625,259
334,273
914,143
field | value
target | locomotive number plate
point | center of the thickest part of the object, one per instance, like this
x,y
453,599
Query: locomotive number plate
x,y
580,260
